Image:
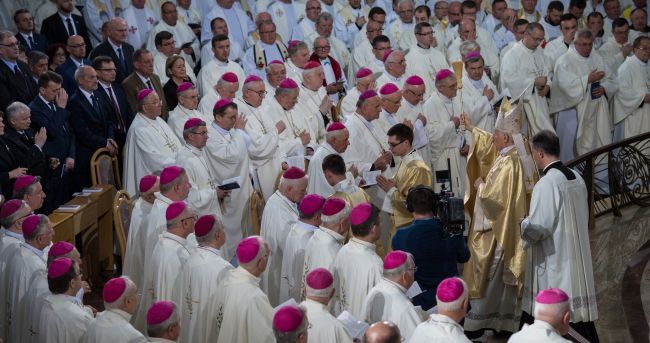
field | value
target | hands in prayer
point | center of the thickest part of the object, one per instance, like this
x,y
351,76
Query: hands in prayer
x,y
478,182
540,82
464,150
456,121
40,137
595,75
488,92
385,183
423,119
382,162
353,169
281,126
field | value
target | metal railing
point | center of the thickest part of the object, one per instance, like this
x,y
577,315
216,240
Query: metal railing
x,y
616,175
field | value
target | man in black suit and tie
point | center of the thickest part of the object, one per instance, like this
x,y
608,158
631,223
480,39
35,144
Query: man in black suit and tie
x,y
27,145
26,36
63,24
116,47
113,94
91,123
76,48
48,111
9,168
37,62
14,75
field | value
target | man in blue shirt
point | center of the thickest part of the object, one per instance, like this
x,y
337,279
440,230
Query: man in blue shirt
x,y
435,252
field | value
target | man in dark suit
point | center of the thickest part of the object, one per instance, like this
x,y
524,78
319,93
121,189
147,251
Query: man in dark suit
x,y
26,36
26,145
63,24
37,62
91,123
76,48
14,75
116,47
48,111
9,168
113,94
143,77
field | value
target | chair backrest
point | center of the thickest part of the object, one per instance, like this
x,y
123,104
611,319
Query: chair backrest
x,y
122,207
104,169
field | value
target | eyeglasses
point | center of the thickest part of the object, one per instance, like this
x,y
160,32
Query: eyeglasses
x,y
394,145
194,217
643,48
78,45
107,69
415,94
265,32
13,45
394,102
424,34
327,47
202,133
260,93
414,269
159,103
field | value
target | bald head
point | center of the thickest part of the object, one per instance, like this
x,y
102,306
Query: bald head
x,y
467,29
76,47
117,30
262,17
383,332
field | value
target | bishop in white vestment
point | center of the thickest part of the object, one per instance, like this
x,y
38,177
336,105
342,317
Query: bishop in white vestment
x,y
337,141
188,102
227,155
293,252
365,80
313,104
631,108
478,93
200,278
280,213
357,268
552,315
150,143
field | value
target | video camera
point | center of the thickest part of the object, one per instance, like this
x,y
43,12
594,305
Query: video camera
x,y
451,212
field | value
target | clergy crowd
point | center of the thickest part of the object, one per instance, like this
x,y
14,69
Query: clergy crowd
x,y
287,159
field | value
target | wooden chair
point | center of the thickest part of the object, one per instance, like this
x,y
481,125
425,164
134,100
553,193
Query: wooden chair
x,y
122,207
104,169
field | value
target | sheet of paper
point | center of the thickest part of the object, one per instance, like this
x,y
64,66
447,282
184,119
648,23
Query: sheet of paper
x,y
231,180
371,177
296,161
414,291
355,328
287,303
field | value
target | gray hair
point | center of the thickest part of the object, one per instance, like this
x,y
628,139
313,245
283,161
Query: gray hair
x,y
267,69
29,190
297,47
468,46
15,108
284,91
555,311
36,56
396,273
11,219
292,337
330,221
4,34
264,248
455,305
159,330
584,34
81,71
324,16
131,288
42,221
209,237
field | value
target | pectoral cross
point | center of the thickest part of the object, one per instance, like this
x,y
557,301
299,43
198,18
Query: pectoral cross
x,y
132,29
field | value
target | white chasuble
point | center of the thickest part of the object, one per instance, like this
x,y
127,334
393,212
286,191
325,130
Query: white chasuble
x,y
9,243
439,329
179,115
289,139
324,327
520,68
357,269
112,326
631,114
25,262
554,49
445,142
308,108
212,71
136,242
227,155
349,103
183,34
293,261
612,54
477,105
30,308
203,194
388,301
155,225
200,278
572,91
558,252
538,332
321,250
64,319
243,312
317,182
161,281
264,151
279,214
150,146
425,63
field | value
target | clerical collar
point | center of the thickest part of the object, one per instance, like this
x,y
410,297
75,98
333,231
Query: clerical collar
x,y
18,236
394,78
212,250
551,165
423,48
505,150
546,326
220,63
338,237
329,148
365,122
127,316
639,61
305,226
363,243
193,149
395,284
73,300
176,238
39,253
162,198
220,129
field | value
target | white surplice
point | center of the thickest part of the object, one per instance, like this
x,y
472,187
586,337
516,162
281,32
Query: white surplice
x,y
477,105
227,155
321,250
30,308
140,22
290,143
558,252
490,57
308,108
317,182
279,215
324,327
362,56
538,332
425,63
631,114
572,92
388,78
612,54
410,112
200,279
439,329
293,260
180,114
64,319
242,311
17,278
212,72
150,146
520,68
357,269
349,103
264,151
112,326
161,281
183,34
554,49
136,242
388,301
208,100
445,141
203,195
154,225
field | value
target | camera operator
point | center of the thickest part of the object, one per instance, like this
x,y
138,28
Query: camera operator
x,y
435,252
